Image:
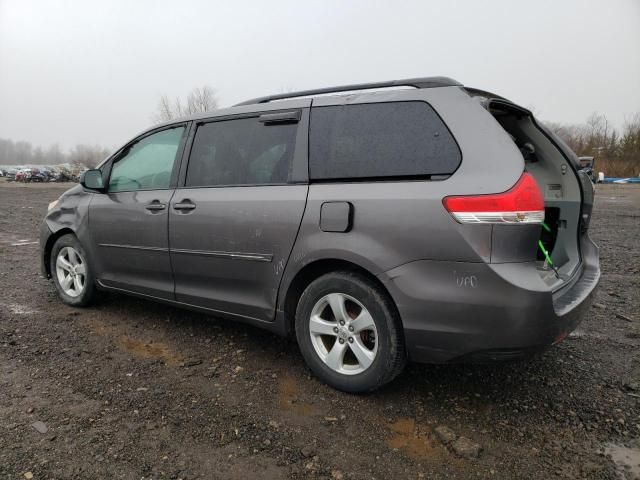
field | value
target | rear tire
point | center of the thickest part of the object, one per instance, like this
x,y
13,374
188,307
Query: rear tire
x,y
71,272
349,332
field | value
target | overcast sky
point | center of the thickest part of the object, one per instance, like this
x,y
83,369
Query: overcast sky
x,y
92,71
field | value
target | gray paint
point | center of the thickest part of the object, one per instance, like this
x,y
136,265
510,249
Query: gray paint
x,y
247,220
140,262
459,289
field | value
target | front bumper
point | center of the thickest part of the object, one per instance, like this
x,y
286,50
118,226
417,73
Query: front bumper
x,y
455,311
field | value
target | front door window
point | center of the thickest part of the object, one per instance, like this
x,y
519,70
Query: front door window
x,y
148,163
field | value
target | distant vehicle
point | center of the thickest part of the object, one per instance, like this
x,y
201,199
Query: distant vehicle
x,y
47,174
437,223
60,177
21,175
11,175
39,177
586,165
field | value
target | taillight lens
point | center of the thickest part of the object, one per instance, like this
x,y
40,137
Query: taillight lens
x,y
523,203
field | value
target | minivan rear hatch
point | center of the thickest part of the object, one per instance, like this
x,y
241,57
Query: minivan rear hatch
x,y
567,192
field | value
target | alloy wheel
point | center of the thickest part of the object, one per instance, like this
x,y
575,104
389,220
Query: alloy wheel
x,y
71,271
343,334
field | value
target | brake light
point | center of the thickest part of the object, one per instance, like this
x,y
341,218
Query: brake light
x,y
523,203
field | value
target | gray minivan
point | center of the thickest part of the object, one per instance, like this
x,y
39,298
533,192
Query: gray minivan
x,y
407,220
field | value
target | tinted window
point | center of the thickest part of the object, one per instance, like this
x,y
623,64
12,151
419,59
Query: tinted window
x,y
395,139
241,152
147,165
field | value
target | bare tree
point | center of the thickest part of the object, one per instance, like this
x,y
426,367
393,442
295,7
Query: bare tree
x,y
54,154
200,99
165,110
23,151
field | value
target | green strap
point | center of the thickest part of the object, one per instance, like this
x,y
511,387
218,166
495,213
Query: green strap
x,y
548,258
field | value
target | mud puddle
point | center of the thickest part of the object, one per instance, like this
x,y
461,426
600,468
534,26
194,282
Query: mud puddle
x,y
626,460
417,442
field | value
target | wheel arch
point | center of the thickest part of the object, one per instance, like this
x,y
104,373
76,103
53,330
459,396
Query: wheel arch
x,y
49,247
308,273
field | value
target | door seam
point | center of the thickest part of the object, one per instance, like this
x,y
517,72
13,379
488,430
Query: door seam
x,y
173,277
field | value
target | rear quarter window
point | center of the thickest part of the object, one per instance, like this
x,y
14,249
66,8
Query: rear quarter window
x,y
380,140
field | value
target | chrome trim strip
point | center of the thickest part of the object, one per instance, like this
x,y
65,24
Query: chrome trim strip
x,y
178,303
134,247
256,257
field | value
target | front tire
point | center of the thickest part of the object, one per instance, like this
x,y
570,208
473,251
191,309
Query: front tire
x,y
71,272
349,332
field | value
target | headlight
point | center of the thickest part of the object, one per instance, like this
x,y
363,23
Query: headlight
x,y
53,204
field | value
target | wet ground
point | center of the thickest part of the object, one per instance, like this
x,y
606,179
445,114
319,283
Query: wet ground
x,y
133,389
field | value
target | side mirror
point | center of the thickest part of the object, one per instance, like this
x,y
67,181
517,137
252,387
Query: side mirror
x,y
92,180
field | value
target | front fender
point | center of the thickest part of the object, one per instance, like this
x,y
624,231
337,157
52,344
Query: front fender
x,y
71,214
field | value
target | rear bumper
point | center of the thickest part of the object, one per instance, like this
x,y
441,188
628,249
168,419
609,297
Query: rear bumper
x,y
454,311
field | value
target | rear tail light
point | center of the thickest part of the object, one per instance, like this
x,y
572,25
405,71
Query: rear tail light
x,y
523,203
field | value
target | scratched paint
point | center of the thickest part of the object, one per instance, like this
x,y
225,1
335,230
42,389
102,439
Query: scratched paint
x,y
466,281
278,267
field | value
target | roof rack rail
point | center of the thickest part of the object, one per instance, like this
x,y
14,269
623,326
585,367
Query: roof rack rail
x,y
426,82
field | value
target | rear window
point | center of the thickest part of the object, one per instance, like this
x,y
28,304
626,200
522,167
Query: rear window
x,y
377,140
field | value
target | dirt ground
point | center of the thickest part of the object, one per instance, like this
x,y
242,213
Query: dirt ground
x,y
134,389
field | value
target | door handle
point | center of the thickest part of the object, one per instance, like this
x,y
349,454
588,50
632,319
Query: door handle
x,y
185,204
155,206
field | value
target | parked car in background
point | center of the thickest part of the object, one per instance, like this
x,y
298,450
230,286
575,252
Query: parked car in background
x,y
60,177
437,223
21,175
11,174
39,176
46,173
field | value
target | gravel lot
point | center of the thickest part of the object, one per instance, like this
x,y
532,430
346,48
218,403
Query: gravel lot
x,y
133,389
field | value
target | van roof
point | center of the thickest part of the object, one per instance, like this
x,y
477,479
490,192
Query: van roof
x,y
424,82
421,82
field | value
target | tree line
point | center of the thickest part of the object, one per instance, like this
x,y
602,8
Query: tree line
x,y
616,152
24,153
